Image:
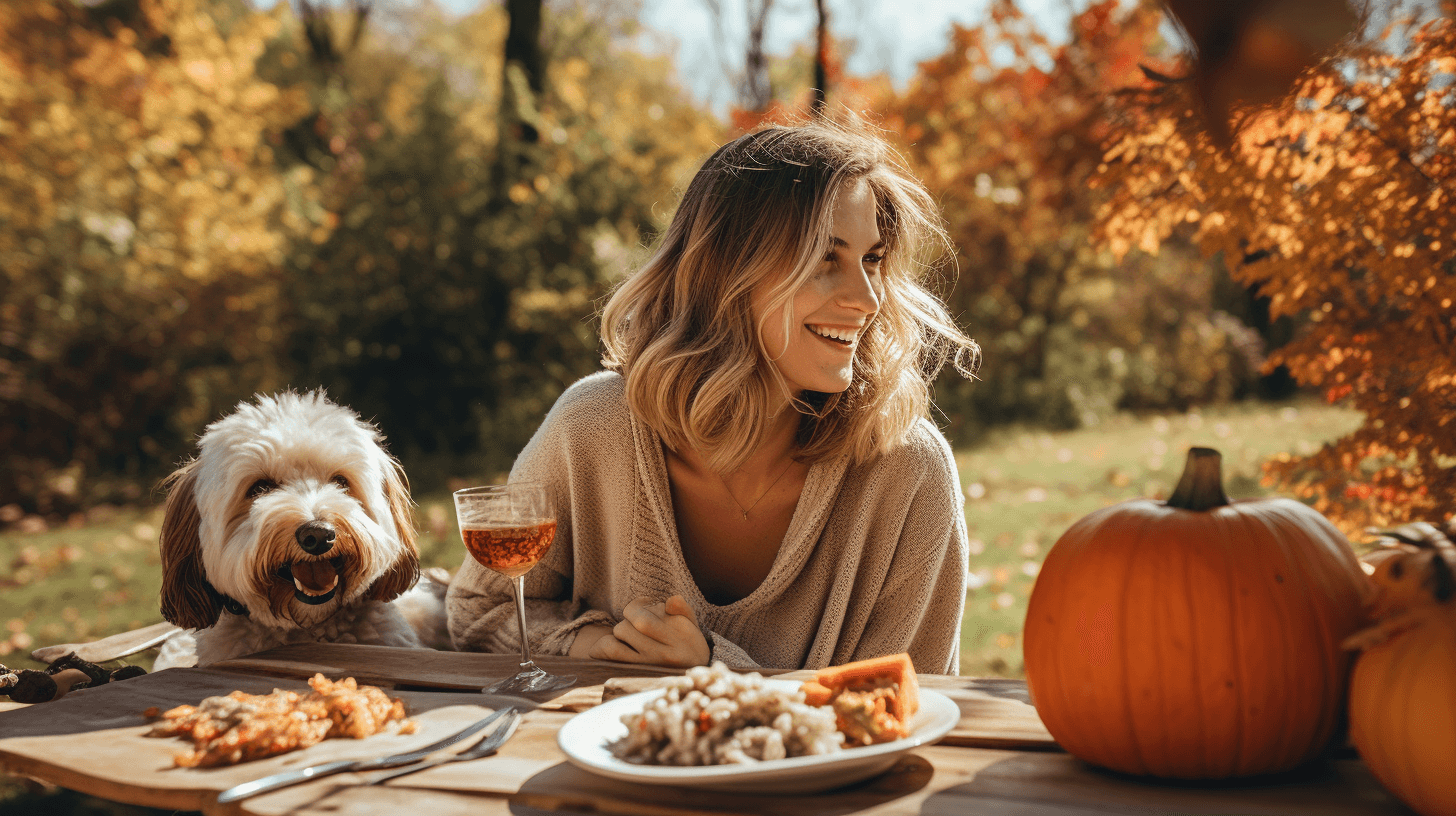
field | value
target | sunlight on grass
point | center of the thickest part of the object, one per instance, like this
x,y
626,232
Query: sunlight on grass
x,y
1024,488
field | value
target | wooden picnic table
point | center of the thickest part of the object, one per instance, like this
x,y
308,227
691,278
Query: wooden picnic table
x,y
999,759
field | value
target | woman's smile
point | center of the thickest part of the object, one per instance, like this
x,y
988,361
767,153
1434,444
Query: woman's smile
x,y
836,303
841,336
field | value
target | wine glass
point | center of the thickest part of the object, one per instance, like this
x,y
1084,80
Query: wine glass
x,y
508,528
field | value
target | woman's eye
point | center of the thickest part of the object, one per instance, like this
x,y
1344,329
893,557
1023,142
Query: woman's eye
x,y
874,259
260,487
341,480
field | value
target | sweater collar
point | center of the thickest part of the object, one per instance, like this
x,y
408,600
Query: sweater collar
x,y
821,487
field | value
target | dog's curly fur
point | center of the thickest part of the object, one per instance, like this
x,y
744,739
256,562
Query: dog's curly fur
x,y
292,524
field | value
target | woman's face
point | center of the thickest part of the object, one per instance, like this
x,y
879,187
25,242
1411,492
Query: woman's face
x,y
833,308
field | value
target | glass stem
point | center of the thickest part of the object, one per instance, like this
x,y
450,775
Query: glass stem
x,y
519,585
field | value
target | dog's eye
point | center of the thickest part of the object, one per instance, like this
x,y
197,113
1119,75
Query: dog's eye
x,y
260,487
341,480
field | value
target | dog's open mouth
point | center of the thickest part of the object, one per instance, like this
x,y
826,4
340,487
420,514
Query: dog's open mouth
x,y
314,582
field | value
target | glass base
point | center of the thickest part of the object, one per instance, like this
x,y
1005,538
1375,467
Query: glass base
x,y
531,680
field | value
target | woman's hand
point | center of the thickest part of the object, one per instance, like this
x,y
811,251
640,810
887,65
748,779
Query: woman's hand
x,y
586,638
660,633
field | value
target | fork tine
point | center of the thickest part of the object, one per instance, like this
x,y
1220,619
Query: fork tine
x,y
497,738
484,748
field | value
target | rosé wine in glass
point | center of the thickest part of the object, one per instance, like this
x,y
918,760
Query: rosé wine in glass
x,y
508,529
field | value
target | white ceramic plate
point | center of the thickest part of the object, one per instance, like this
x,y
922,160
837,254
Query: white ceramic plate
x,y
586,736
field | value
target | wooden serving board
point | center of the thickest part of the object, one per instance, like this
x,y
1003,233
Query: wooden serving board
x,y
93,740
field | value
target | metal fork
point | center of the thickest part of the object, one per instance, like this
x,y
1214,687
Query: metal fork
x,y
286,778
484,748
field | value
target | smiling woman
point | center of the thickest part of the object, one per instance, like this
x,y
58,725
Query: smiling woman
x,y
755,479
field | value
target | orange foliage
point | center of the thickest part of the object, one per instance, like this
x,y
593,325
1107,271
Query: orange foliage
x,y
1337,204
1006,127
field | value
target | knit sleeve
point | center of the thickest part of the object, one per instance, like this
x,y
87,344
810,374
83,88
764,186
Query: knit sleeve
x,y
729,652
920,605
480,608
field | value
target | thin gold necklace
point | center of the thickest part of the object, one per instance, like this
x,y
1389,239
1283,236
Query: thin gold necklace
x,y
741,508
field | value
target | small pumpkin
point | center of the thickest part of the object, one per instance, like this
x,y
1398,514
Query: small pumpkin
x,y
1403,691
1195,638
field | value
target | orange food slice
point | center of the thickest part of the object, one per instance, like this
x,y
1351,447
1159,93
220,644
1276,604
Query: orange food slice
x,y
875,671
866,708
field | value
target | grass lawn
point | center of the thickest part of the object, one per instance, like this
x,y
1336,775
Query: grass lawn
x,y
1023,488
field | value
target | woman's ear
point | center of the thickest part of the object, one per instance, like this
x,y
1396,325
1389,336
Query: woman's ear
x,y
188,600
406,569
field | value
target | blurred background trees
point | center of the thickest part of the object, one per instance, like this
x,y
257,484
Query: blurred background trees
x,y
200,199
143,219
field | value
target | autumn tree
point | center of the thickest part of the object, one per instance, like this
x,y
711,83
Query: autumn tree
x,y
1006,128
453,298
142,212
1336,203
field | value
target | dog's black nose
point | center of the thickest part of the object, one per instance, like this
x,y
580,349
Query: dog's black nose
x,y
315,537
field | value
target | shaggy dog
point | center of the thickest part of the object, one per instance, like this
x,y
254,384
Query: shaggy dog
x,y
292,525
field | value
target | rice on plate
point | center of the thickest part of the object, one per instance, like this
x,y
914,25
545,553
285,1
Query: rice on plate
x,y
714,716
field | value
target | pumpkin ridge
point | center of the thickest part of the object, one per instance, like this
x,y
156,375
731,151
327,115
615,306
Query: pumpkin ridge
x,y
1235,763
1334,658
1423,668
1062,688
1107,518
1193,653
1406,669
1132,563
1295,566
1448,657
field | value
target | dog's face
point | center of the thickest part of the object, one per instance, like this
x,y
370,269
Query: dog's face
x,y
293,509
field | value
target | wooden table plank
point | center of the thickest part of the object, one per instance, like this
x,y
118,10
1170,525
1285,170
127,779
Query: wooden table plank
x,y
930,781
92,741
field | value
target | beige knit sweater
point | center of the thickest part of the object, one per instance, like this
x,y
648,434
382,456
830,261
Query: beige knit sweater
x,y
873,563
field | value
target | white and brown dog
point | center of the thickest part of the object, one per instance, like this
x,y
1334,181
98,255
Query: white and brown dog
x,y
292,525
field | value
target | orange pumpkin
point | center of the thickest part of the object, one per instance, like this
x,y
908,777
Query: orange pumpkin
x,y
1194,638
1403,692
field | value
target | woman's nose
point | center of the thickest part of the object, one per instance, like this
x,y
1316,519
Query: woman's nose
x,y
857,290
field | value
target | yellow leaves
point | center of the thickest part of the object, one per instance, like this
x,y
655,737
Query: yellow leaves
x,y
201,72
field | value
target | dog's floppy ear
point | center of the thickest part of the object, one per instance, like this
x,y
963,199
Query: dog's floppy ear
x,y
188,600
406,570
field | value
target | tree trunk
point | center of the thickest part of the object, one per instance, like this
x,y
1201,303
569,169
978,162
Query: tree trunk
x,y
821,59
757,85
525,70
523,41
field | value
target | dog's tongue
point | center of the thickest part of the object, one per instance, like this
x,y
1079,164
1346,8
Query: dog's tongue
x,y
314,577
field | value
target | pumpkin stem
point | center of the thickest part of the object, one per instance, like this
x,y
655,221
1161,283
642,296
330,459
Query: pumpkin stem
x,y
1201,487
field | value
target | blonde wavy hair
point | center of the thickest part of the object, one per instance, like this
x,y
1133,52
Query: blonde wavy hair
x,y
758,213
